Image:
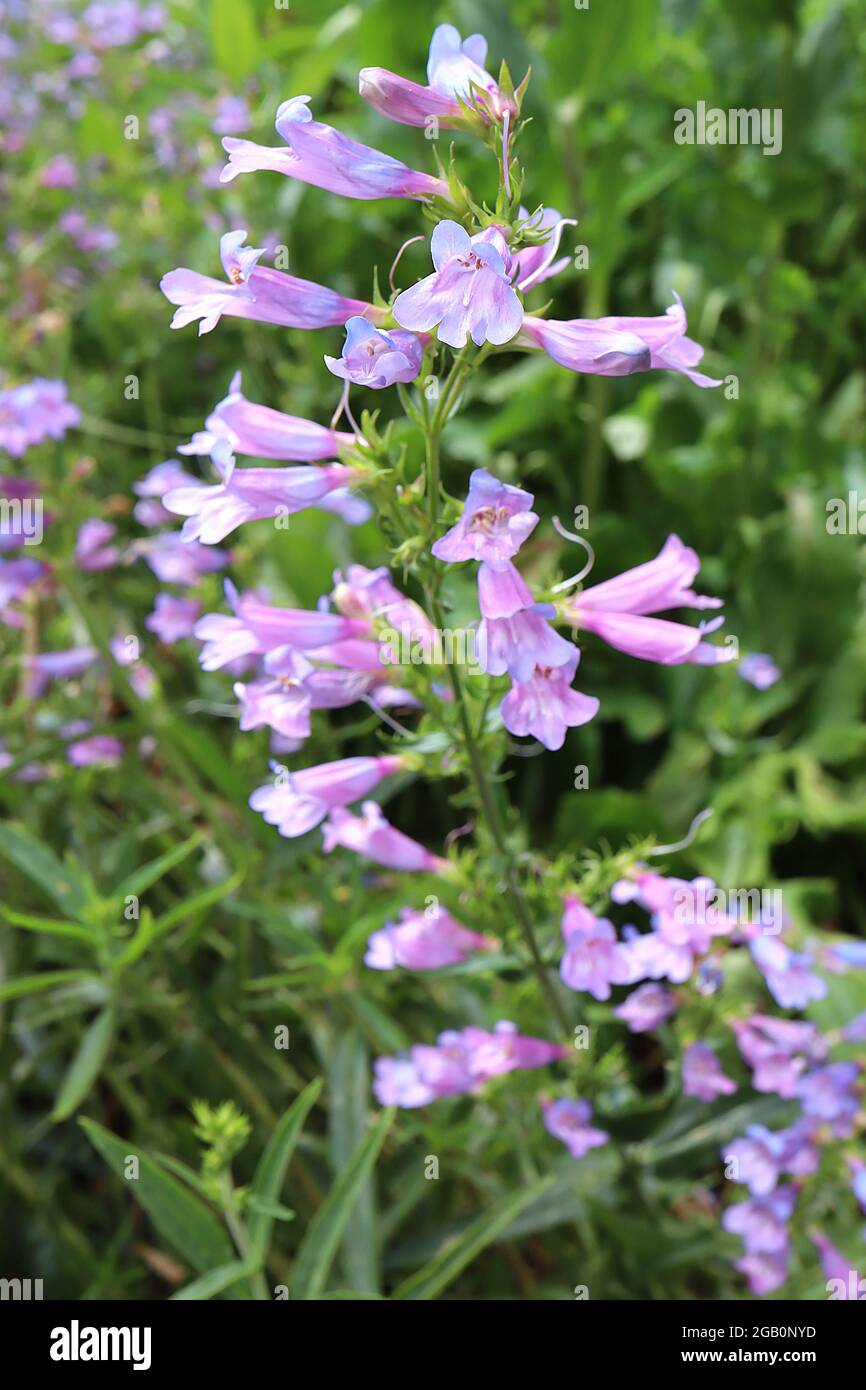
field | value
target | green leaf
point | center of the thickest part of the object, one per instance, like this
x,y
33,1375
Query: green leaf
x,y
234,37
214,1282
457,1254
85,1065
46,979
320,1244
141,879
271,1171
348,1096
183,1221
49,925
44,870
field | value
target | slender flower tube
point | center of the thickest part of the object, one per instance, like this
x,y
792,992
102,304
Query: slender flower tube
x,y
260,432
425,940
620,344
455,69
460,1062
299,801
372,836
256,292
468,295
569,1122
535,264
257,628
617,610
320,155
263,494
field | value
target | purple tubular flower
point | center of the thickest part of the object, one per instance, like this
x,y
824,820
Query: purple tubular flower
x,y
503,591
425,940
149,511
175,561
35,411
545,706
56,666
617,609
519,644
837,1268
569,1121
93,550
593,959
646,1008
374,358
454,69
291,688
173,618
317,154
702,1074
759,670
297,802
100,750
620,345
497,518
262,494
855,1030
828,1095
261,432
256,292
535,264
257,628
17,578
765,1272
763,1222
778,1050
469,294
372,836
459,1063
788,974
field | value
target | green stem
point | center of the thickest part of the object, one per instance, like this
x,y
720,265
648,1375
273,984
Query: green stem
x,y
240,1235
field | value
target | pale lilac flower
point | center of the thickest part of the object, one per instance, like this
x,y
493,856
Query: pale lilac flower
x,y
371,835
257,628
829,1095
160,479
459,1063
569,1121
535,264
425,940
99,750
765,1272
454,69
21,524
545,706
175,561
173,618
858,1179
778,1050
788,974
702,1074
231,117
503,591
371,594
291,688
855,1030
646,1008
838,1269
593,959
497,518
759,670
320,155
371,357
469,294
261,432
762,1223
33,412
758,1159
256,292
17,578
93,548
59,172
519,644
845,955
617,609
620,345
296,802
262,494
53,666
